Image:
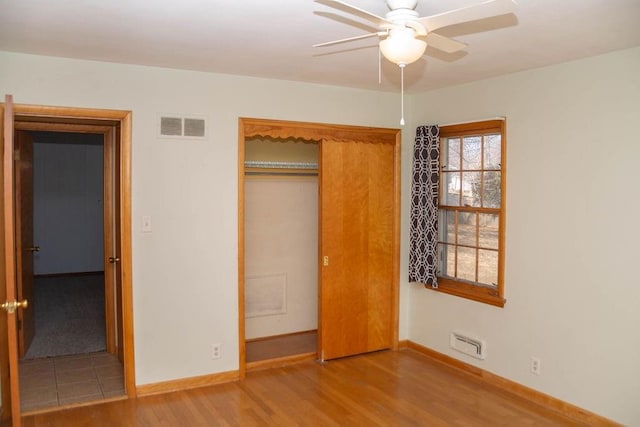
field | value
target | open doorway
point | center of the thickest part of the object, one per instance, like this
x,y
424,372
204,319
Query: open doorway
x,y
115,127
281,249
64,358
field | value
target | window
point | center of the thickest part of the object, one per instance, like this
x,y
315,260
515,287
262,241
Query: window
x,y
471,211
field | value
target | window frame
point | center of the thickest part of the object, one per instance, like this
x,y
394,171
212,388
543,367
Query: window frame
x,y
484,294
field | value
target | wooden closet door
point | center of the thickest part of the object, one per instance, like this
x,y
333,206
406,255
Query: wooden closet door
x,y
356,247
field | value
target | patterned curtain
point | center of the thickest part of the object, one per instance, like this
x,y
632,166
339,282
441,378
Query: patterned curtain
x,y
423,240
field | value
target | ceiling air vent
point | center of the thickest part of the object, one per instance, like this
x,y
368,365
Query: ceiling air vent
x,y
186,127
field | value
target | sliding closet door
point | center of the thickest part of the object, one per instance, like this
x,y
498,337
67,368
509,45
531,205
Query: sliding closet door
x,y
357,247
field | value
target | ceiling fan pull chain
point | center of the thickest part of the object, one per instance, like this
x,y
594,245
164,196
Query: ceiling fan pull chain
x,y
402,94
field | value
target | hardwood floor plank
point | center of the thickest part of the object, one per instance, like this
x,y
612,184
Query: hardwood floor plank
x,y
281,346
378,389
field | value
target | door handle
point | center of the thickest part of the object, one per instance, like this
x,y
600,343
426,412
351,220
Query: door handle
x,y
10,307
33,248
114,259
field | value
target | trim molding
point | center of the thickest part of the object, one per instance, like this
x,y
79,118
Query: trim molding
x,y
290,334
542,399
75,274
187,383
279,362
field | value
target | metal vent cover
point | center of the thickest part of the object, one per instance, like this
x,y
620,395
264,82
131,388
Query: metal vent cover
x,y
474,347
170,126
194,127
181,126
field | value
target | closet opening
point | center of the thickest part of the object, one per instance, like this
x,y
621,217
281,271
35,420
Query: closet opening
x,y
350,215
281,250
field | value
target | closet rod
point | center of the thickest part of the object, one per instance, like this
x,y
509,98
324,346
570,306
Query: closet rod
x,y
276,173
279,165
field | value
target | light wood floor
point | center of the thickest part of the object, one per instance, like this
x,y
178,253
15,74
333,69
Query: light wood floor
x,y
380,389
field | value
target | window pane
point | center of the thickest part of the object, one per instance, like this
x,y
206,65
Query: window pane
x,y
446,260
466,264
451,154
491,190
472,151
467,228
488,267
471,187
492,151
488,230
450,189
447,226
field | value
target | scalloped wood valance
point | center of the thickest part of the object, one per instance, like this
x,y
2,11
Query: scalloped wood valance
x,y
316,131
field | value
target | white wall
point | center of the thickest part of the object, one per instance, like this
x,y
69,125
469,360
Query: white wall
x,y
185,281
281,255
572,284
67,201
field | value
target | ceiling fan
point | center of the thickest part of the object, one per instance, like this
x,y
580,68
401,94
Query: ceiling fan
x,y
404,35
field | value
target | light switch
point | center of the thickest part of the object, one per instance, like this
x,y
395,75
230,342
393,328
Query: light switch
x,y
146,224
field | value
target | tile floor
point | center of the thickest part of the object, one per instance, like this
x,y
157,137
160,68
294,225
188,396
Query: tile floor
x,y
59,381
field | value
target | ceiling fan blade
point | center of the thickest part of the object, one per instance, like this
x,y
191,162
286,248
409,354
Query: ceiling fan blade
x,y
372,17
483,10
364,36
443,43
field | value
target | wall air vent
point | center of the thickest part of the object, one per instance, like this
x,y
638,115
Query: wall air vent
x,y
184,127
472,346
171,126
194,127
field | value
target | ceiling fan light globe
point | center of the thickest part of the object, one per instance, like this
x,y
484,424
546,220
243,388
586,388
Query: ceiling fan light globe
x,y
402,48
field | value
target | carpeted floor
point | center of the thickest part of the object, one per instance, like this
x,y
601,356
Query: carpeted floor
x,y
69,316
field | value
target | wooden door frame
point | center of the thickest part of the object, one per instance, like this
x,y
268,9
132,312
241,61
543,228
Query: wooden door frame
x,y
250,127
118,124
108,191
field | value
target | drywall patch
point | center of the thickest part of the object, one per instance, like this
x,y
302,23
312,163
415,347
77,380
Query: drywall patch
x,y
265,294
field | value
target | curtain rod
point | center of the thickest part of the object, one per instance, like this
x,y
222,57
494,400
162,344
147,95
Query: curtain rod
x,y
472,121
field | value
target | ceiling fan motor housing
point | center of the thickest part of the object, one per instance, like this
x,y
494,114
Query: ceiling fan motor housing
x,y
401,16
402,13
402,4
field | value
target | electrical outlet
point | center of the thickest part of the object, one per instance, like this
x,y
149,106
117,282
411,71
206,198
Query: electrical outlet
x,y
536,365
216,351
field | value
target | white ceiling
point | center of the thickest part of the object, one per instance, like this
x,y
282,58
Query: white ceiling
x,y
273,39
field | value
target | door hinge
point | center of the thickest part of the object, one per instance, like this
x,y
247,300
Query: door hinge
x,y
16,154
